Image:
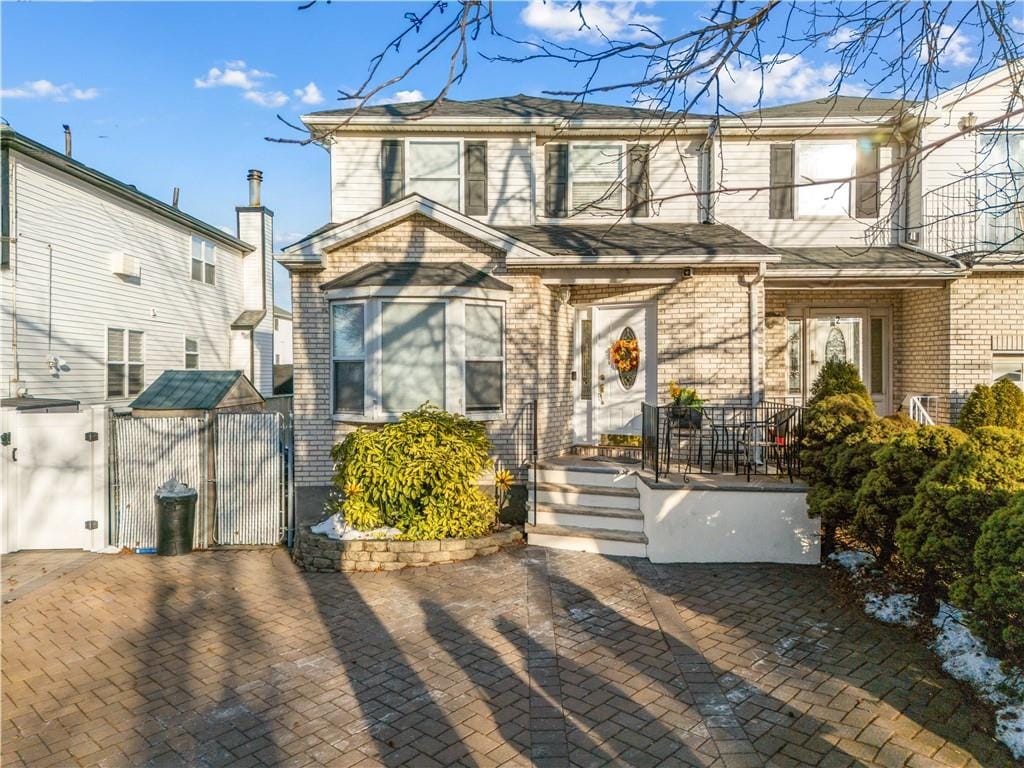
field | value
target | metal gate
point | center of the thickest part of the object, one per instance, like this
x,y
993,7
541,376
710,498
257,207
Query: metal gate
x,y
238,462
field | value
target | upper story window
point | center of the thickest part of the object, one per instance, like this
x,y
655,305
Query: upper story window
x,y
451,172
594,173
125,362
999,190
593,179
821,161
433,169
830,179
204,260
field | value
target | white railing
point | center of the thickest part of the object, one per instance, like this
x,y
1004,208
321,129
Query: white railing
x,y
917,408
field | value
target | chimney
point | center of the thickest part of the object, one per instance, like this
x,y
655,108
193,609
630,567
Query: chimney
x,y
175,195
67,140
255,179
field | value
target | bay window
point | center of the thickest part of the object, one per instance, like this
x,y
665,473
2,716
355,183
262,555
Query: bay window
x,y
820,161
433,169
391,354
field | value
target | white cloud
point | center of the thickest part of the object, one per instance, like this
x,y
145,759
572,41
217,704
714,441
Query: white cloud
x,y
557,19
309,95
951,46
1017,24
44,89
842,36
269,99
401,97
788,79
234,75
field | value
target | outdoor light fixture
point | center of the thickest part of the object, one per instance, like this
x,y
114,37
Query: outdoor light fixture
x,y
967,122
564,294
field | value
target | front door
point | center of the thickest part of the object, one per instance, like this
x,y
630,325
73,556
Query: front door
x,y
860,338
609,395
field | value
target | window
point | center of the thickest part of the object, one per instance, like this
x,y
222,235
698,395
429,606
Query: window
x,y
191,353
434,171
485,357
818,161
391,355
794,354
348,357
595,171
1000,188
1009,367
125,362
204,260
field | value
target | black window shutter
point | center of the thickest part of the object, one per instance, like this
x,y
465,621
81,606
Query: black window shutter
x,y
556,180
867,183
476,178
392,170
638,181
780,199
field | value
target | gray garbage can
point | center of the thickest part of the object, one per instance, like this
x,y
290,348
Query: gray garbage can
x,y
175,518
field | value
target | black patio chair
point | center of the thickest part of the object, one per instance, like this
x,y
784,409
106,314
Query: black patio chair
x,y
774,436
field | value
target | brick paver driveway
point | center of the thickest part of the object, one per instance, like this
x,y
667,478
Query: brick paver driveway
x,y
527,657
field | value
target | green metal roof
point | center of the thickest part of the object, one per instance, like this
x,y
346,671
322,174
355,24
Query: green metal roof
x,y
187,390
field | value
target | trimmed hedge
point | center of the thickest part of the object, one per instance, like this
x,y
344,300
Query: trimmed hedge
x,y
979,410
837,378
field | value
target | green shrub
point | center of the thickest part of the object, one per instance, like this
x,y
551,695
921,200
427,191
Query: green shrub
x,y
828,422
419,475
979,410
888,489
837,378
1009,403
844,467
940,530
994,592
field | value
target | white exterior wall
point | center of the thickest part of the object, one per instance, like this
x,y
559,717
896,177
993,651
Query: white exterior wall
x,y
68,315
256,227
282,341
744,164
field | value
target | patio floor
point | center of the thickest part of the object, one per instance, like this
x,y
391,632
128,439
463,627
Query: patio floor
x,y
528,657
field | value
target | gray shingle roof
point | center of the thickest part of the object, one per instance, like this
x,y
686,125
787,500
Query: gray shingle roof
x,y
187,390
250,318
518,106
833,257
450,274
629,239
834,106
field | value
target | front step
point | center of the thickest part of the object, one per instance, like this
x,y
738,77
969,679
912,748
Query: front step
x,y
587,495
608,451
596,540
603,518
605,477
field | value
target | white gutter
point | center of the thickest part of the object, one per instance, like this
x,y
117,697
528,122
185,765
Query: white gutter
x,y
756,380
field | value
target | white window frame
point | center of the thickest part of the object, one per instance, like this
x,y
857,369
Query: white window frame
x,y
124,360
454,358
211,261
1016,357
798,179
196,353
619,179
489,359
409,141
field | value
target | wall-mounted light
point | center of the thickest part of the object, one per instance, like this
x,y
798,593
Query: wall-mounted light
x,y
564,294
967,122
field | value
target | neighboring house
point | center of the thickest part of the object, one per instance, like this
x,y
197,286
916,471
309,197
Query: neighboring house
x,y
488,254
282,336
104,288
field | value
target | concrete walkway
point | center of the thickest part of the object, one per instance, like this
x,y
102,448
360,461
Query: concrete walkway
x,y
530,657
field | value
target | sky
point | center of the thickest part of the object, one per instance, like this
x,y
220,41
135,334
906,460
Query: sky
x,y
184,94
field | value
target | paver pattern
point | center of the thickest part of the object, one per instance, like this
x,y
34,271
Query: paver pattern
x,y
528,657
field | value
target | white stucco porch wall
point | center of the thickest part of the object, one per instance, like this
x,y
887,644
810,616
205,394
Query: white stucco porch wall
x,y
685,525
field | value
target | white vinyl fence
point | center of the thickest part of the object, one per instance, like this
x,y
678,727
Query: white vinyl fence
x,y
236,461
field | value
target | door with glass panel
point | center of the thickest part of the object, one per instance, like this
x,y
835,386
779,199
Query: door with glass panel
x,y
859,339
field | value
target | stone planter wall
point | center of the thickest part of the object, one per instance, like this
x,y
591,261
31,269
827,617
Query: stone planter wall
x,y
313,552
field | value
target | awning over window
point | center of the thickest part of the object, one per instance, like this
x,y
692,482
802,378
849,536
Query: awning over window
x,y
454,274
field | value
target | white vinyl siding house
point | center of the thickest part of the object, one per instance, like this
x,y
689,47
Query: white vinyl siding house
x,y
66,284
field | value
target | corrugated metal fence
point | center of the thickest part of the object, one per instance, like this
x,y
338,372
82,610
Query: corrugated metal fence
x,y
237,461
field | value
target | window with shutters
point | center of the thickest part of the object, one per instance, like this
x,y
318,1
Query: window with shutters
x,y
125,362
823,161
434,169
595,172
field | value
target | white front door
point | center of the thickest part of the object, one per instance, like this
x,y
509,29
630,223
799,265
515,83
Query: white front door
x,y
860,338
608,400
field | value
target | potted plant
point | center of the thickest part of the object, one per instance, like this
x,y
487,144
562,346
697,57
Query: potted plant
x,y
686,406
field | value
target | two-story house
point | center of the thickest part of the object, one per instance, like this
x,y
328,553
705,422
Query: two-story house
x,y
103,287
485,254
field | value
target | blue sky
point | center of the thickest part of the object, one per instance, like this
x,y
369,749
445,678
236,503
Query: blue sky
x,y
182,94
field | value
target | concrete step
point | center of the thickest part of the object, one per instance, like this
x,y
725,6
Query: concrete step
x,y
604,518
606,477
578,539
586,495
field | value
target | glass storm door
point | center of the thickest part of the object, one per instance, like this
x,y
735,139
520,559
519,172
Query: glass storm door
x,y
833,338
618,392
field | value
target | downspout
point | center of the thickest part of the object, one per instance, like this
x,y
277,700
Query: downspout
x,y
756,383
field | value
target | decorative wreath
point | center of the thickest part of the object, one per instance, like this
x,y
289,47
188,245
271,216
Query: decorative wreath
x,y
625,355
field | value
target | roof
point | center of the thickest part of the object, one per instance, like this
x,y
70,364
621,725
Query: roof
x,y
312,235
187,390
834,106
282,313
836,257
11,139
518,106
451,274
250,318
36,403
631,239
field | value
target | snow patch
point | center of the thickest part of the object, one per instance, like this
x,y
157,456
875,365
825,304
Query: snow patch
x,y
336,527
892,609
853,560
966,658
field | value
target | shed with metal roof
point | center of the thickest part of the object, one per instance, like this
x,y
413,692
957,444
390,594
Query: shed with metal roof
x,y
193,393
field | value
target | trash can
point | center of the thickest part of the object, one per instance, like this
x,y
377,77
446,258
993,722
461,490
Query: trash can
x,y
175,518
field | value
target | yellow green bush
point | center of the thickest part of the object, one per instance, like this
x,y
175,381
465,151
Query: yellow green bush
x,y
1009,404
979,410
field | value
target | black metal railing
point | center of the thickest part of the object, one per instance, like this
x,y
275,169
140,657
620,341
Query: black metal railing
x,y
974,215
534,460
722,439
